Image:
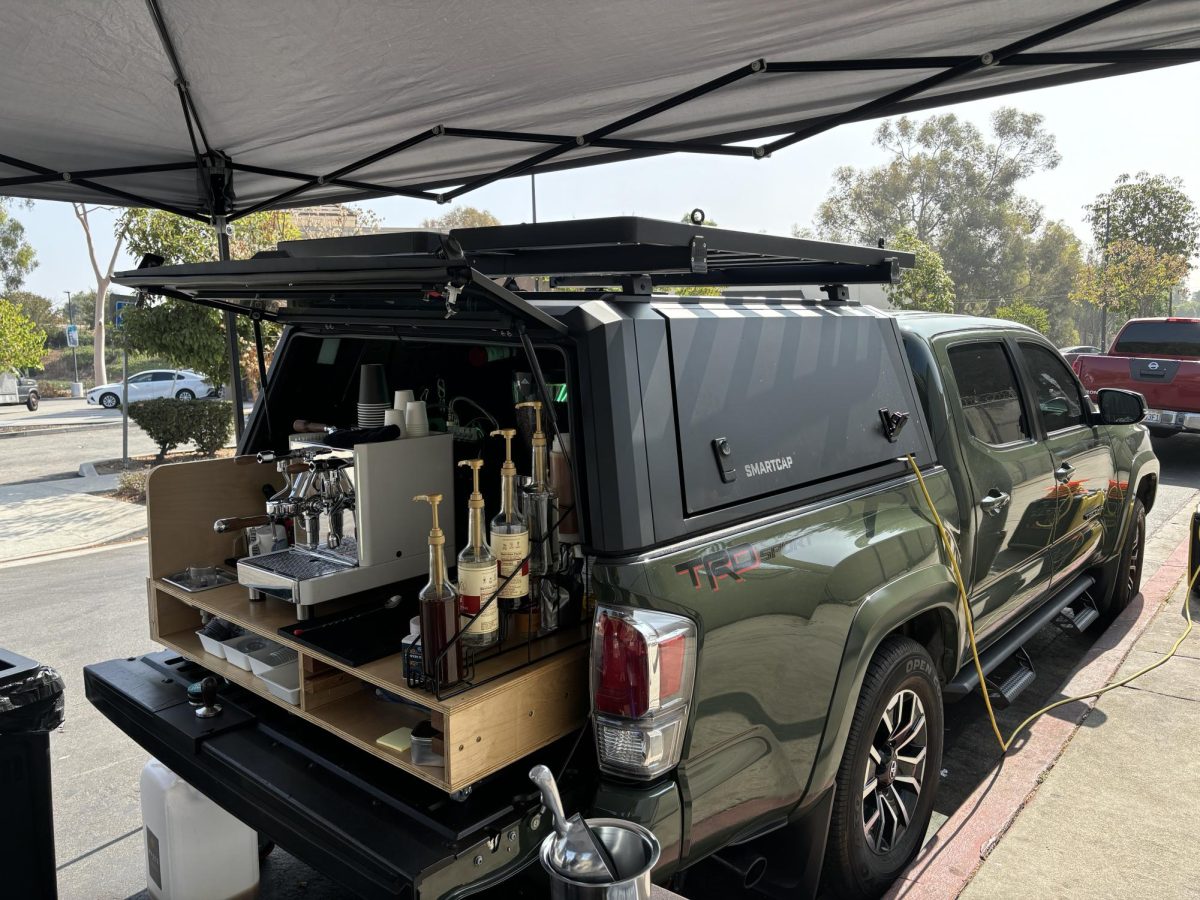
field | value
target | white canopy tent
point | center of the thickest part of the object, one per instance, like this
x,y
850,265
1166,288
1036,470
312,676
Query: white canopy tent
x,y
215,109
211,108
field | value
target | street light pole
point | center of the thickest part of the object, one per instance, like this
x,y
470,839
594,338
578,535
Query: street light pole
x,y
71,320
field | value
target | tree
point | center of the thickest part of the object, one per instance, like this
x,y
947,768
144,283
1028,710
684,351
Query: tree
x,y
1146,210
21,341
188,334
1053,260
1134,280
103,280
1025,313
461,217
38,309
954,190
17,257
926,285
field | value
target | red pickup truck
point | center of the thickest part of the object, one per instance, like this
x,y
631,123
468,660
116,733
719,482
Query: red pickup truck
x,y
1158,358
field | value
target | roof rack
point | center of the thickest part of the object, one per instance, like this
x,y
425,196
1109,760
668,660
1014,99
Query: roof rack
x,y
628,251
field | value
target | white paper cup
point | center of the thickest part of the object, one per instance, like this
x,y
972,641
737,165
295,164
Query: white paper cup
x,y
395,417
403,398
416,418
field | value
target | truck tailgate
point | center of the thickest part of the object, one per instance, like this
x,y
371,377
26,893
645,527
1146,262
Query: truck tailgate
x,y
1170,384
376,830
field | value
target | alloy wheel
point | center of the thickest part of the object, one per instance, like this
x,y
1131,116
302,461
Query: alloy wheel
x,y
895,771
1134,570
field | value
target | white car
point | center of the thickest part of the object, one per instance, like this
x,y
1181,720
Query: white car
x,y
182,384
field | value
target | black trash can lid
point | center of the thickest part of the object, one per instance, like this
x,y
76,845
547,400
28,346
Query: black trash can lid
x,y
31,700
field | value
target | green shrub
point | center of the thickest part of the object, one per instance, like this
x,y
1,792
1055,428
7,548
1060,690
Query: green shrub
x,y
211,424
170,422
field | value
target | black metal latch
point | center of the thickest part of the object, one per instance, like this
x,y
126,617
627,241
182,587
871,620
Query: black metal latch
x,y
724,453
893,423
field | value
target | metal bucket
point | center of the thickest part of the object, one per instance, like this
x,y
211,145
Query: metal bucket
x,y
635,851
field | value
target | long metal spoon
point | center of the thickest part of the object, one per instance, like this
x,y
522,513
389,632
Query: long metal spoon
x,y
577,853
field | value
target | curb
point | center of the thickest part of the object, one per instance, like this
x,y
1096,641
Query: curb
x,y
25,431
952,856
87,470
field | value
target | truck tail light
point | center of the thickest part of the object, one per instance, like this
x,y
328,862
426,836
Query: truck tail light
x,y
643,671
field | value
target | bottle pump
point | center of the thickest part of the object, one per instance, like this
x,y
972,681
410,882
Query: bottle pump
x,y
510,534
439,602
477,574
539,501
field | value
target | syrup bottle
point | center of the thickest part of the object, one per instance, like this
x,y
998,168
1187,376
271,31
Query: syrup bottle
x,y
478,576
438,603
510,534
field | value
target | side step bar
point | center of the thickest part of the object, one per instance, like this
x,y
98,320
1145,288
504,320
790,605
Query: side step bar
x,y
967,680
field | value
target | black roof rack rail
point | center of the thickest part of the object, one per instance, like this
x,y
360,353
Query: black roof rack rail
x,y
600,252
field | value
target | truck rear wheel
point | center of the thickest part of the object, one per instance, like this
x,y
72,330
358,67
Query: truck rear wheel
x,y
1126,579
889,772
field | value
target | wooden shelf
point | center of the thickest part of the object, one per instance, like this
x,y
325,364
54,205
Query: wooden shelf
x,y
484,728
185,643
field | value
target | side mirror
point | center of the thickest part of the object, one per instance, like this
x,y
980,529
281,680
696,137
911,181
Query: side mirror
x,y
1119,407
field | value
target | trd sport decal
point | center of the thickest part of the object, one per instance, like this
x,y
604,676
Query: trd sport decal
x,y
730,562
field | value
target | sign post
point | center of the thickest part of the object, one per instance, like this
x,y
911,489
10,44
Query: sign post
x,y
118,323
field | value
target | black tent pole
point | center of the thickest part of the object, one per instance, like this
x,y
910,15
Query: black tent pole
x,y
235,362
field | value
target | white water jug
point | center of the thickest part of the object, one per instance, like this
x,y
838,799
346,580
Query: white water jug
x,y
194,849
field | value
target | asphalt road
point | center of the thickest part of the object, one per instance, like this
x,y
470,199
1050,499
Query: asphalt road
x,y
68,612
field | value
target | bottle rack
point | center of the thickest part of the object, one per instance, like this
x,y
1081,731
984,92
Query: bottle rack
x,y
521,696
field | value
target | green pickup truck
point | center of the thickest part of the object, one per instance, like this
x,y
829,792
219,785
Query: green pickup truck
x,y
776,624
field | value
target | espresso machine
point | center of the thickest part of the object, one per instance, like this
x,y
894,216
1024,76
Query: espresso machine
x,y
353,523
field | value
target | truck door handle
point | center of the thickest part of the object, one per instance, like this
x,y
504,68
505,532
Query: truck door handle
x,y
994,502
1063,473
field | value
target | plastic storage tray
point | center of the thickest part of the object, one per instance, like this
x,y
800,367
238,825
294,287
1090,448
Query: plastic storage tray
x,y
284,682
237,649
211,645
271,656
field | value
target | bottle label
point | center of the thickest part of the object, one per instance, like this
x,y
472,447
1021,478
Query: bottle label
x,y
476,583
510,550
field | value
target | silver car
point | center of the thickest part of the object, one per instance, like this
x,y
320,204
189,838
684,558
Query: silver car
x,y
182,384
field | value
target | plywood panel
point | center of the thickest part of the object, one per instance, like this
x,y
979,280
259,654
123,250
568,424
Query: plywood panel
x,y
184,499
546,702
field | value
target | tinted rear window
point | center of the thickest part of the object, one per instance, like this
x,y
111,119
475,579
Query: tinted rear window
x,y
1160,339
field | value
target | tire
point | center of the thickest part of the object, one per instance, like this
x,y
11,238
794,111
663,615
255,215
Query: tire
x,y
869,845
1162,433
1122,585
185,394
110,400
31,402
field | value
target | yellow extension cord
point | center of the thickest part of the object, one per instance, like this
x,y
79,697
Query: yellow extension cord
x,y
962,596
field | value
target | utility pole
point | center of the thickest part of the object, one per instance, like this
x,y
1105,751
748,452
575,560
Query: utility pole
x,y
71,320
1104,284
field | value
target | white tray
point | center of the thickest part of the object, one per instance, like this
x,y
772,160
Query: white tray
x,y
238,648
284,682
270,657
211,645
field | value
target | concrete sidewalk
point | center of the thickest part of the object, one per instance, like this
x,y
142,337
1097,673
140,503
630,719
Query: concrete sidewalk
x,y
1117,815
43,517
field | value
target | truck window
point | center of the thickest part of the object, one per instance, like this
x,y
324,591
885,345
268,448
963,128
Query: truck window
x,y
1059,402
987,387
1176,338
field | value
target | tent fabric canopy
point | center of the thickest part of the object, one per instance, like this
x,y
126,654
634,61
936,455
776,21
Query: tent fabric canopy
x,y
207,107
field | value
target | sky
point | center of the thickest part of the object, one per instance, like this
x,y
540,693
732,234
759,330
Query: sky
x,y
1143,122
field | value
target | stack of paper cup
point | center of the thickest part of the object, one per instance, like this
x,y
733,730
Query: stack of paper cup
x,y
372,395
416,419
402,399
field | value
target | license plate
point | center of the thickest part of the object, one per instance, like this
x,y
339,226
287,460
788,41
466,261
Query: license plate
x,y
1153,416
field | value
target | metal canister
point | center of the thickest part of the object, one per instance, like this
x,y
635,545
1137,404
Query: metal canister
x,y
634,851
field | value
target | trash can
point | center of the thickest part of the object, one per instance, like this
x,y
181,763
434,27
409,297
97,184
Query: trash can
x,y
31,706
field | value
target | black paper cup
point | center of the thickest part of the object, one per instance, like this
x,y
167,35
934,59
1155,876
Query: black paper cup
x,y
372,385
